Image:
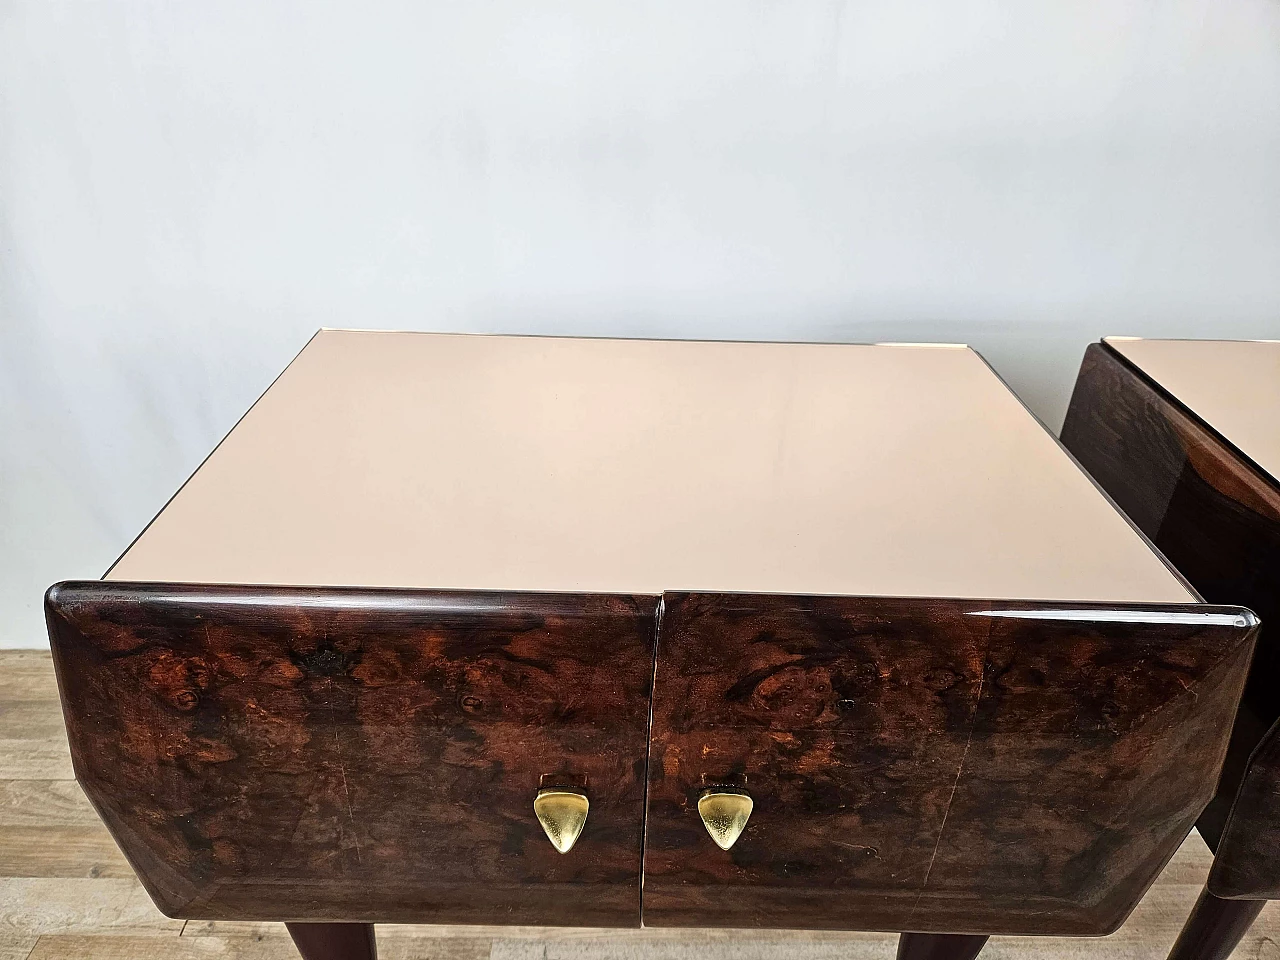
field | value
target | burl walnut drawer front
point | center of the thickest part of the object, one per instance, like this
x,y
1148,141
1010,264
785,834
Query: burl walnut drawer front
x,y
931,765
298,754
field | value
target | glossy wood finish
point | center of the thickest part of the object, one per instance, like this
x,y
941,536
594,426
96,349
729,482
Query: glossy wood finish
x,y
360,755
1215,927
334,941
932,765
1247,861
56,885
1216,516
939,946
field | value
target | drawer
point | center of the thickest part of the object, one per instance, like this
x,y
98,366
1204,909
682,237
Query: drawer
x,y
931,765
321,754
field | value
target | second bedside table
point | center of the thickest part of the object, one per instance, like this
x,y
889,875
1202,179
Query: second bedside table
x,y
1185,435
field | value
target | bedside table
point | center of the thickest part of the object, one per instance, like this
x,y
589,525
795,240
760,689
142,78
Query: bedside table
x,y
483,629
1183,434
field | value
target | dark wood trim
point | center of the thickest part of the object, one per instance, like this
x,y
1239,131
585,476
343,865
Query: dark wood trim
x,y
939,946
948,766
306,754
334,941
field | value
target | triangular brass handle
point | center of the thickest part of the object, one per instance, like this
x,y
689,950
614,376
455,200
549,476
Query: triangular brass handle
x,y
725,813
562,811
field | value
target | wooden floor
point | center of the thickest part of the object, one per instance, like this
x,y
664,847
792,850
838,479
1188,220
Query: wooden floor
x,y
67,894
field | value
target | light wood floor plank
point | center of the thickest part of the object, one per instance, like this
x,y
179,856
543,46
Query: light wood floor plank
x,y
84,852
234,928
432,948
38,906
27,675
35,760
153,948
17,948
33,740
32,720
45,803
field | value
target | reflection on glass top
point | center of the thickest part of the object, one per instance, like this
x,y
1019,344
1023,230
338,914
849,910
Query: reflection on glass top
x,y
536,463
1232,385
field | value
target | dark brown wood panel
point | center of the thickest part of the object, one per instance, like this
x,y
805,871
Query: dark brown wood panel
x,y
360,755
939,946
334,941
932,765
1216,516
1247,863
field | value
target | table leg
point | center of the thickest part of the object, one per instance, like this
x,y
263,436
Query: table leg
x,y
939,946
334,941
1214,927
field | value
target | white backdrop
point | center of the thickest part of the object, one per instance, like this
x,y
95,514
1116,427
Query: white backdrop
x,y
187,190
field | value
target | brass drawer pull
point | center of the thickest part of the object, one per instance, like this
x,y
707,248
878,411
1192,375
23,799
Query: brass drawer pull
x,y
725,812
562,811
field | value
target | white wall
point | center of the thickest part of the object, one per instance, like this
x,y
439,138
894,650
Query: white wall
x,y
187,190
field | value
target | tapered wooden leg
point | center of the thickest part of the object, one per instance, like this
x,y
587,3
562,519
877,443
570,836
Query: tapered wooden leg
x,y
939,946
1214,927
334,941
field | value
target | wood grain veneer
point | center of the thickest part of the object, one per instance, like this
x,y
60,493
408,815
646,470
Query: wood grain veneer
x,y
979,767
295,754
60,891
